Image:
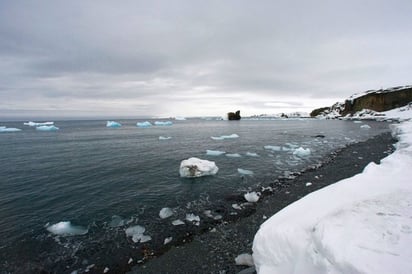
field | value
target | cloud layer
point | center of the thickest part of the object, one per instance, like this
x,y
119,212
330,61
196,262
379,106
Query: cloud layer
x,y
91,58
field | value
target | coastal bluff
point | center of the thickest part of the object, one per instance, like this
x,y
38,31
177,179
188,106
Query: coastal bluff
x,y
376,100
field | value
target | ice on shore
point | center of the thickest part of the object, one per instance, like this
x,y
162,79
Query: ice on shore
x,y
47,128
9,129
214,152
34,124
144,124
252,154
113,124
360,224
192,218
244,259
251,197
178,222
163,123
162,138
233,155
167,240
244,171
232,136
136,232
195,167
301,152
67,229
165,212
180,118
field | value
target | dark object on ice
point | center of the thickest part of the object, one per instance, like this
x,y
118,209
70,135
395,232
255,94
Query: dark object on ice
x,y
319,136
234,116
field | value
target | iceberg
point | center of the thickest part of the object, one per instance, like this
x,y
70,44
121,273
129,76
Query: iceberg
x,y
165,212
9,129
34,124
195,167
301,152
251,197
144,124
163,123
232,136
214,152
66,229
162,138
47,128
244,171
113,124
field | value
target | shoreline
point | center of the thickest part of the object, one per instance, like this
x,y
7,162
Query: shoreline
x,y
215,251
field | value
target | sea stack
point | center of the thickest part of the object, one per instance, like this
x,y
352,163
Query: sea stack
x,y
233,115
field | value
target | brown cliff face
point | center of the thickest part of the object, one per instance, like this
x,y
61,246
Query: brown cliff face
x,y
381,100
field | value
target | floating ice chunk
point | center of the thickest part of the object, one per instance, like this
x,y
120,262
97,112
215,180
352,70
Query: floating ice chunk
x,y
34,124
301,152
113,124
165,212
308,184
214,152
244,259
236,206
178,222
141,238
116,221
47,128
231,136
165,137
144,124
193,218
358,122
67,229
163,123
244,171
195,167
167,240
105,270
273,148
130,261
135,230
179,118
233,155
9,129
365,127
252,154
251,197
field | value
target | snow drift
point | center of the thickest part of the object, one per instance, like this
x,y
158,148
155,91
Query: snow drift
x,y
361,224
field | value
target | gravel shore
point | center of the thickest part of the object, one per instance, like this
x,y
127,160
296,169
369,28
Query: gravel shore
x,y
215,251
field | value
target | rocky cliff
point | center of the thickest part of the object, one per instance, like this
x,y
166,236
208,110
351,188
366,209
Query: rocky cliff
x,y
377,100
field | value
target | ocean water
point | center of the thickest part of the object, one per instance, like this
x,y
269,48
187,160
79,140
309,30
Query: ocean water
x,y
105,180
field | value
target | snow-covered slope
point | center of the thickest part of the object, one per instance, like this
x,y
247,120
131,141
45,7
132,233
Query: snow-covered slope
x,y
362,224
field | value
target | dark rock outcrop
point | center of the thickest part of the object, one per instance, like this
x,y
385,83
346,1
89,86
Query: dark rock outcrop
x,y
234,115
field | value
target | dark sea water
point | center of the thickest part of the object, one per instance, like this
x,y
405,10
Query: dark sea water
x,y
106,180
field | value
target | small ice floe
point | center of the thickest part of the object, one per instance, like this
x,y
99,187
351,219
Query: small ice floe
x,y
252,154
192,218
165,212
301,152
34,124
9,129
232,136
164,138
130,261
233,155
236,206
47,128
214,152
357,122
244,259
365,127
167,240
178,222
89,267
67,229
136,232
106,269
180,118
113,124
308,184
117,221
144,124
195,167
163,123
244,171
251,197
273,148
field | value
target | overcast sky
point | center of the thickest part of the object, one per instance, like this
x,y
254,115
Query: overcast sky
x,y
191,58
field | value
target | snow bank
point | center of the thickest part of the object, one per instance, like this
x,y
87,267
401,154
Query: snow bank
x,y
47,128
144,124
163,123
9,129
361,224
66,229
113,124
34,124
195,167
214,152
232,136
